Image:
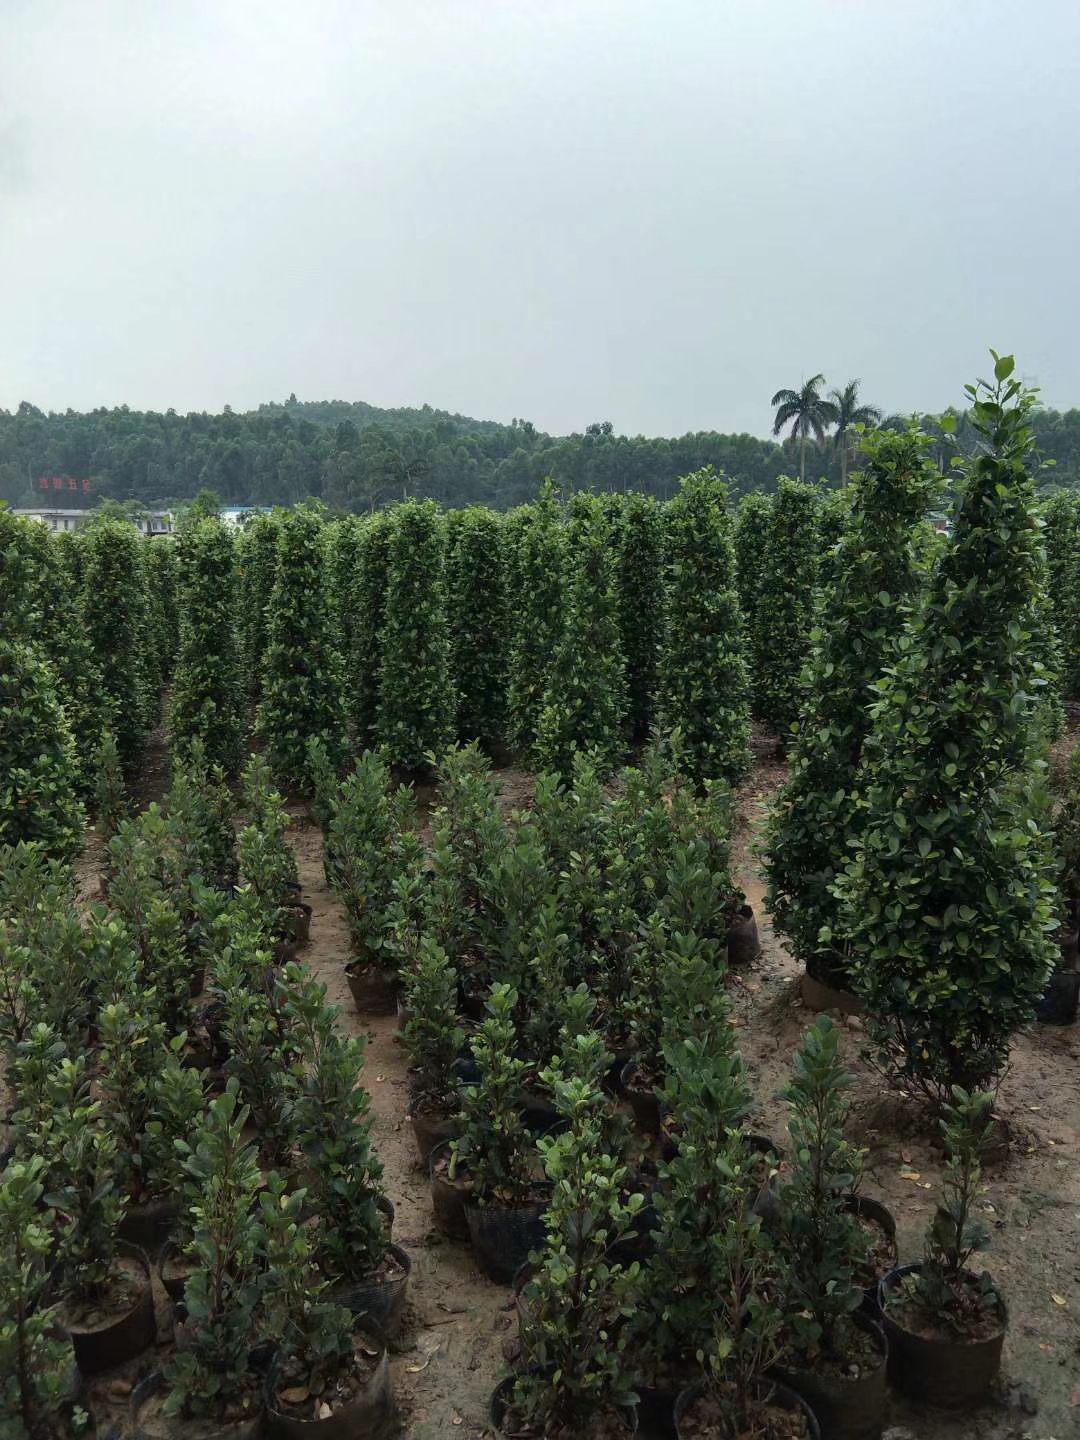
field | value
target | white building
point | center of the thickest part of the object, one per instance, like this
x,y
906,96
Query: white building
x,y
153,522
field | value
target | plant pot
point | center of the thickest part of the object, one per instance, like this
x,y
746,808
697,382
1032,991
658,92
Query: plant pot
x,y
503,1235
1058,1004
117,1340
382,1300
770,1391
938,1369
172,1272
612,1084
431,1128
298,921
500,1399
284,951
743,942
847,1408
370,1415
1070,947
373,987
150,1223
824,986
643,1102
447,1196
404,1011
539,1114
869,1276
148,1426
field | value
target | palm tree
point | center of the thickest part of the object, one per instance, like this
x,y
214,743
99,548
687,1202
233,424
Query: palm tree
x,y
849,413
805,411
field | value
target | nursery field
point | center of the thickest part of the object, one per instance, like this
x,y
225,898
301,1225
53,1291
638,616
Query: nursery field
x,y
453,1344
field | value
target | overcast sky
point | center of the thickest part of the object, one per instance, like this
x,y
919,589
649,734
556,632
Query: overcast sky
x,y
650,211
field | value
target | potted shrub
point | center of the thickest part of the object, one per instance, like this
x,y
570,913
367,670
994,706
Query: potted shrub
x,y
493,1155
106,1303
573,1377
330,1374
210,1383
38,1382
836,1356
349,1215
433,1039
945,1323
744,1317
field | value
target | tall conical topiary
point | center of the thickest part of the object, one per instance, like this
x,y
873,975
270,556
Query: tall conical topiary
x,y
342,540
639,578
750,534
114,610
369,599
39,769
478,618
164,601
300,696
208,693
1061,517
416,702
949,899
537,608
257,556
877,577
704,692
585,699
785,604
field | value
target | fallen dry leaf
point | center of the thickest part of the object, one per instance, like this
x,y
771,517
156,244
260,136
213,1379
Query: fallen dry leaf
x,y
1058,1299
324,1411
906,1174
296,1395
1074,1398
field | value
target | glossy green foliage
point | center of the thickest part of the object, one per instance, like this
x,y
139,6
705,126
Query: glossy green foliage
x,y
785,604
257,552
1061,517
950,900
114,604
495,1150
537,607
416,702
300,687
584,700
207,700
704,693
816,820
342,540
479,622
40,778
749,534
369,619
638,536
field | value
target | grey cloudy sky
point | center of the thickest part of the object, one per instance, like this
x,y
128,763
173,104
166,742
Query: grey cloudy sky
x,y
650,211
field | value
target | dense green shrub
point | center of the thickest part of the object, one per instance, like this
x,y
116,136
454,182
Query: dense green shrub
x,y
703,686
816,820
369,619
1061,516
478,620
299,690
416,703
785,604
342,541
949,899
257,556
639,583
39,767
114,609
536,570
749,535
584,700
207,696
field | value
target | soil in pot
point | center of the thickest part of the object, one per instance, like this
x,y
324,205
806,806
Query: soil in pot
x,y
935,1364
778,1413
641,1094
430,1128
507,1423
503,1235
241,1417
1059,1001
743,942
119,1324
878,1225
824,986
359,1403
374,988
172,1267
448,1195
149,1223
846,1389
380,1296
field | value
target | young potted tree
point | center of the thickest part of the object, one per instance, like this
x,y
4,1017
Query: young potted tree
x,y
330,1375
945,1323
350,1229
494,1155
836,1355
209,1388
573,1378
433,1039
39,1385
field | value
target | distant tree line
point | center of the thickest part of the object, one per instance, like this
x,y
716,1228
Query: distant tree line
x,y
355,457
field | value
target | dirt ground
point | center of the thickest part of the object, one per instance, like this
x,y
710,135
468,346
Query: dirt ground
x,y
450,1351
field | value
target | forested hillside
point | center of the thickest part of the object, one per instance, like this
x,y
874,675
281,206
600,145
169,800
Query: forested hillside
x,y
355,456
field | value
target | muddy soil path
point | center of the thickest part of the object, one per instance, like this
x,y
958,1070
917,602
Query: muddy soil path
x,y
450,1351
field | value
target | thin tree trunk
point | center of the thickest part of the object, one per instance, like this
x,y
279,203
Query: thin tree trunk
x,y
802,456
